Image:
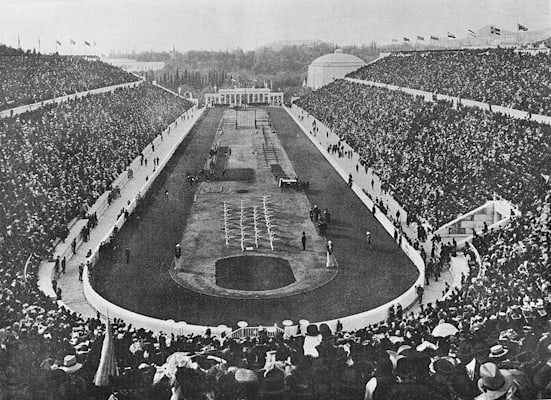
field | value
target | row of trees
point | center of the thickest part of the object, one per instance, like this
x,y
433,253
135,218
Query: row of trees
x,y
190,79
280,66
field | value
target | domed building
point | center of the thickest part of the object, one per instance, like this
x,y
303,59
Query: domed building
x,y
327,68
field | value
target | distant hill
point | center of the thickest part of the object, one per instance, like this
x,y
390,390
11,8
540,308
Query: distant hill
x,y
278,45
484,38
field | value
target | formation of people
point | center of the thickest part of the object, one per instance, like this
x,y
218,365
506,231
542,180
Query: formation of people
x,y
29,77
496,76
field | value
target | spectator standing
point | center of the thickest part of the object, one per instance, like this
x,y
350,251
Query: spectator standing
x,y
127,254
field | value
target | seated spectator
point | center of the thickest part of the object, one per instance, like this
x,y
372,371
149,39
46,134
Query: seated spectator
x,y
496,76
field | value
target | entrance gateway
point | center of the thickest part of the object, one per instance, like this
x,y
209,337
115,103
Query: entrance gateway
x,y
243,96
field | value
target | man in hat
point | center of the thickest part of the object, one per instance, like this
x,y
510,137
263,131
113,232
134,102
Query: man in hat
x,y
504,384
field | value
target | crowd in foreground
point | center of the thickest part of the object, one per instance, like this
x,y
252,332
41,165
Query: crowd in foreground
x,y
495,76
499,345
436,161
31,78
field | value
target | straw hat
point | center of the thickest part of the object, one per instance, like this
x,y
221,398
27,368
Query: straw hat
x,y
498,351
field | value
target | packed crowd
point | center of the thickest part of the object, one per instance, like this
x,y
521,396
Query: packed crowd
x,y
498,345
488,340
31,78
437,161
58,159
496,76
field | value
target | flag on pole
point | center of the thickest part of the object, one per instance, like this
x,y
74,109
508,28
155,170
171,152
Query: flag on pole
x,y
522,28
86,43
73,42
472,33
420,37
434,37
451,35
58,42
108,362
495,31
406,39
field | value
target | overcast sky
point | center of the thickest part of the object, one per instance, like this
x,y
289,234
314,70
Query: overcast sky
x,y
227,24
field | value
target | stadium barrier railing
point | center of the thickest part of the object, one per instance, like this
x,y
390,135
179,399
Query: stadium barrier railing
x,y
406,299
61,99
428,96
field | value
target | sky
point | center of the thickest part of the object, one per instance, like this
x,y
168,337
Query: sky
x,y
159,25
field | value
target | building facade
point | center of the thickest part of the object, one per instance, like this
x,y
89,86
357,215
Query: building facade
x,y
242,96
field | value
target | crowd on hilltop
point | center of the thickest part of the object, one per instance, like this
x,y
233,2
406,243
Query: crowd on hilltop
x,y
31,78
496,76
437,161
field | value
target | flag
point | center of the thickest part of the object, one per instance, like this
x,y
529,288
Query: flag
x,y
86,43
58,42
451,35
495,31
73,42
420,37
108,362
522,28
472,33
394,40
434,37
406,39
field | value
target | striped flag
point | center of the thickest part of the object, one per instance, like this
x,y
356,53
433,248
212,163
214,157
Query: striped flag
x,y
86,43
73,42
420,37
406,39
472,33
434,37
522,28
451,35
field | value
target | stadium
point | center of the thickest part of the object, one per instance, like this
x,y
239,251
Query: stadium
x,y
376,225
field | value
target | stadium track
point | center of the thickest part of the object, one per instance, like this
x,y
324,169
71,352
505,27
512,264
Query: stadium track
x,y
368,279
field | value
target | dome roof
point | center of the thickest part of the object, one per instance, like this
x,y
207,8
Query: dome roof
x,y
338,58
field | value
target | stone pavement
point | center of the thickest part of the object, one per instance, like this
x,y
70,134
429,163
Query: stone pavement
x,y
73,294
